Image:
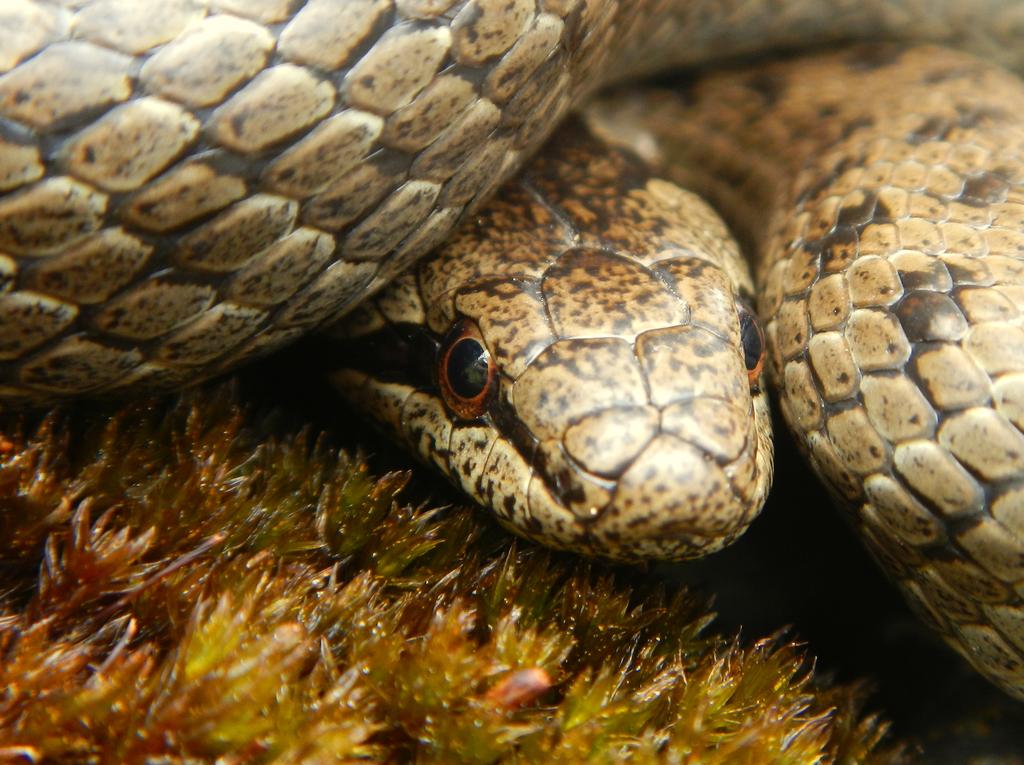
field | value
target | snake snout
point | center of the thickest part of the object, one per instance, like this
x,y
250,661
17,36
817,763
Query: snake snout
x,y
649,446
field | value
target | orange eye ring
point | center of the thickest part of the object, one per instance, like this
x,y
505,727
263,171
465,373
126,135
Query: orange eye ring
x,y
753,342
466,372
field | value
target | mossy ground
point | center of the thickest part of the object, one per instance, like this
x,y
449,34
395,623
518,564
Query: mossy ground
x,y
190,580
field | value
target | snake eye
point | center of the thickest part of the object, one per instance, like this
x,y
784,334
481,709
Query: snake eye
x,y
466,372
752,337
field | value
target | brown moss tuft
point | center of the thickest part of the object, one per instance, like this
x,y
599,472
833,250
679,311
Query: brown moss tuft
x,y
180,582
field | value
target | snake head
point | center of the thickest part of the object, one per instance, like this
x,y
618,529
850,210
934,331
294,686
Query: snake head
x,y
577,359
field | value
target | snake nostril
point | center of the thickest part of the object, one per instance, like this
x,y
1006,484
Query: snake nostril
x,y
466,372
752,338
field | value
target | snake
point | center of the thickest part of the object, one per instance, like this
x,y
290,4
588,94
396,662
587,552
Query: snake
x,y
186,185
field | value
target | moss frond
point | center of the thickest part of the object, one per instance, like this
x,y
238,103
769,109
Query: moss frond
x,y
189,582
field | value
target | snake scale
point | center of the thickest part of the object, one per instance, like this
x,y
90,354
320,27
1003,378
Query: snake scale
x,y
187,184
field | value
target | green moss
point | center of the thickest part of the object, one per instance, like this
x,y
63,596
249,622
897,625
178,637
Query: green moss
x,y
189,582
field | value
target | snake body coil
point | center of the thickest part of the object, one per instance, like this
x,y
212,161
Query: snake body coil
x,y
191,183
890,249
185,184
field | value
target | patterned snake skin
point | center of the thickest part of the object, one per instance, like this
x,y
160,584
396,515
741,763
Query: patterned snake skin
x,y
890,250
185,184
189,183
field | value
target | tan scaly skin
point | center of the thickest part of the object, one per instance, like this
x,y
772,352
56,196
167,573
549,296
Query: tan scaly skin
x,y
188,184
185,185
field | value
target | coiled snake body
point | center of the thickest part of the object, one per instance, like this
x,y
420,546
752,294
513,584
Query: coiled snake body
x,y
188,184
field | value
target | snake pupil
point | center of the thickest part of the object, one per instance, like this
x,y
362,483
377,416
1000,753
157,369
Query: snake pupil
x,y
467,368
752,338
